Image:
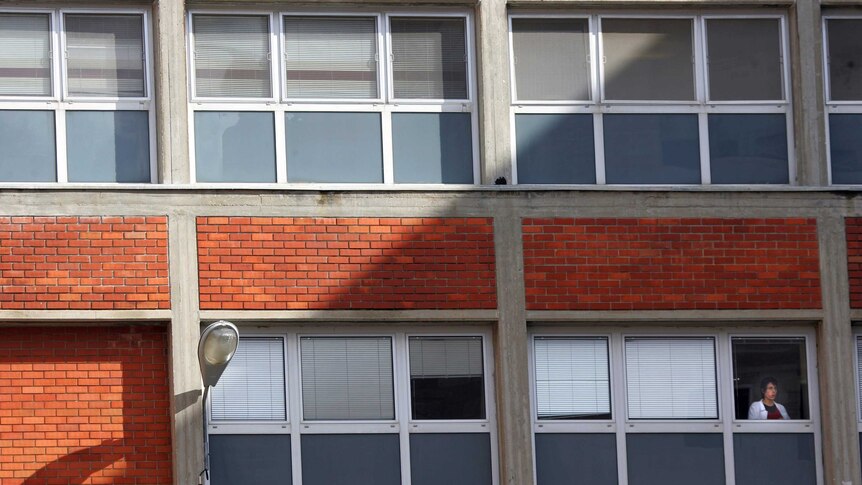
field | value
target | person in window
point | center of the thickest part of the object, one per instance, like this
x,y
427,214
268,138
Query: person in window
x,y
767,408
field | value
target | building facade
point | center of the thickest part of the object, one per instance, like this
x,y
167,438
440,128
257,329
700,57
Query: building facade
x,y
469,242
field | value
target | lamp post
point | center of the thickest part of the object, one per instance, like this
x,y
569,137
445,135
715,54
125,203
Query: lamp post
x,y
216,348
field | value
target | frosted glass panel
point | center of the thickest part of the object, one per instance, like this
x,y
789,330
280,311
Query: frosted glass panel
x,y
432,148
555,149
652,149
231,55
845,59
572,378
252,386
234,146
845,148
429,57
105,55
748,149
108,146
744,59
551,58
25,63
27,141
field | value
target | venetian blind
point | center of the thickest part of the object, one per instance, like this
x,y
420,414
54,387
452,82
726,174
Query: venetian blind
x,y
105,55
572,377
252,386
551,58
25,55
445,356
429,58
231,56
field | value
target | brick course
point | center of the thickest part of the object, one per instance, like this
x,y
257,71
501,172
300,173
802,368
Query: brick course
x,y
671,264
83,263
85,405
346,263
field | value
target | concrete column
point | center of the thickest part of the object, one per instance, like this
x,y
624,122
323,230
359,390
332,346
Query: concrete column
x,y
511,357
171,91
806,43
841,464
185,377
494,94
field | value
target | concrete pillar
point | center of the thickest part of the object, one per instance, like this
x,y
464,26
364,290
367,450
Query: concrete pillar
x,y
185,377
841,463
171,91
494,91
806,43
511,357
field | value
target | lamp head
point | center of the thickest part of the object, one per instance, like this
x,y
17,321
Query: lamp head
x,y
216,347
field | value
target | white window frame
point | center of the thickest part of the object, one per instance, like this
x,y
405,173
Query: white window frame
x,y
834,107
403,425
700,106
60,101
726,424
857,340
385,104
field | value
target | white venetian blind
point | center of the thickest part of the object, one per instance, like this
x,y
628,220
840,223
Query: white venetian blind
x,y
105,55
330,57
429,58
671,378
252,386
445,357
859,368
572,378
347,378
231,55
25,59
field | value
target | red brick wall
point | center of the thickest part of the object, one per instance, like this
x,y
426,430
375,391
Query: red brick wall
x,y
854,259
352,263
84,405
657,264
83,263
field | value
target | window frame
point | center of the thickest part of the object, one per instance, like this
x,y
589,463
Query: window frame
x,y
701,105
857,339
385,104
59,102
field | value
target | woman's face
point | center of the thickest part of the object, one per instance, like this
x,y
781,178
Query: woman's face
x,y
771,391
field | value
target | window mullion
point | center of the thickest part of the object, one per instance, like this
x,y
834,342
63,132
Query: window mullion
x,y
60,135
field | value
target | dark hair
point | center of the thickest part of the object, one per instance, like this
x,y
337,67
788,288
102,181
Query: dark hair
x,y
767,381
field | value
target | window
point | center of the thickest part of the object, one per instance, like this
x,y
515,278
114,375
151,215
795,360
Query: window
x,y
771,371
252,386
446,378
85,116
608,99
332,98
844,98
572,378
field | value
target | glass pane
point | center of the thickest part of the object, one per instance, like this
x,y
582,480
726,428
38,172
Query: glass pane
x,y
234,146
774,458
652,149
551,58
845,148
447,378
572,378
347,378
330,57
648,59
432,148
262,458
28,153
108,146
770,378
555,149
744,59
105,55
334,147
675,459
671,378
354,459
429,58
231,55
25,61
252,386
594,463
450,458
845,59
748,149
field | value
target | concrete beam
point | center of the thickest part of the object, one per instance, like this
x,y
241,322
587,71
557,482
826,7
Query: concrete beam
x,y
678,317
835,348
98,317
494,90
171,93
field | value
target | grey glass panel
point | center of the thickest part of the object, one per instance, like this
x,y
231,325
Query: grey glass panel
x,y
675,459
845,59
351,459
555,149
236,459
648,59
450,458
652,149
576,459
108,146
551,58
334,147
432,148
744,59
748,149
774,458
845,148
28,153
234,146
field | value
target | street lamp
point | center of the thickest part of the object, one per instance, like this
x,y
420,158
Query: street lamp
x,y
216,348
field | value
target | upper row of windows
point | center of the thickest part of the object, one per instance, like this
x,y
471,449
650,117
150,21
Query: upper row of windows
x,y
390,98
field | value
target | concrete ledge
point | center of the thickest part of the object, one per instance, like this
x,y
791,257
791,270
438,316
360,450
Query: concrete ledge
x,y
676,317
64,317
325,317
